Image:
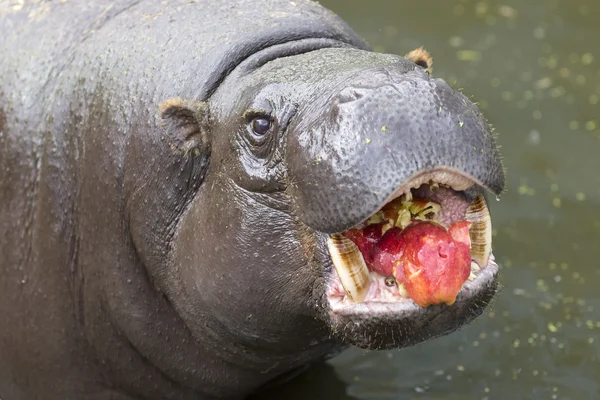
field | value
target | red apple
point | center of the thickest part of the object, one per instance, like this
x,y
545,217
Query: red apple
x,y
388,251
436,262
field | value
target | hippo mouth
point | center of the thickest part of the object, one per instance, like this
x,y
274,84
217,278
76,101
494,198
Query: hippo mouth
x,y
429,244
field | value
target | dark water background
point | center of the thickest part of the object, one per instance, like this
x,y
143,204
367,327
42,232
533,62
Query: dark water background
x,y
534,68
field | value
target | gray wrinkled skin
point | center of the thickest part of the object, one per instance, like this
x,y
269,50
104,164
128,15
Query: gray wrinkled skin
x,y
153,252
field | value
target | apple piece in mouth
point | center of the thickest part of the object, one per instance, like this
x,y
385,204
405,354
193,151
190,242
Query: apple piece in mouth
x,y
381,239
423,246
426,243
435,262
430,261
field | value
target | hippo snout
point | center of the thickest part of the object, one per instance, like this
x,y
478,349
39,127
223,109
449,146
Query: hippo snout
x,y
384,128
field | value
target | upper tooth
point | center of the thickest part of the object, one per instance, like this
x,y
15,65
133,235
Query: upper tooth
x,y
480,231
350,266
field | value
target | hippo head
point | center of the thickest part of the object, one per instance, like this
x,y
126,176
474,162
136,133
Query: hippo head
x,y
304,149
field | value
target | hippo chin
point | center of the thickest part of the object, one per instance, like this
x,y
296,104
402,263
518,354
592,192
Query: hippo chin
x,y
173,177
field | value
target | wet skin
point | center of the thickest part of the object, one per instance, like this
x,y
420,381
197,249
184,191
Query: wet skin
x,y
169,178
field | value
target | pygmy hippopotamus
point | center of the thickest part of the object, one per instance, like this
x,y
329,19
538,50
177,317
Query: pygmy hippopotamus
x,y
195,197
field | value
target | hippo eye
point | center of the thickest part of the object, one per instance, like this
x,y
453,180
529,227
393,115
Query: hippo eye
x,y
261,125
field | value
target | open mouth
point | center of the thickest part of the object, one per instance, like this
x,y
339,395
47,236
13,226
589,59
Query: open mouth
x,y
428,244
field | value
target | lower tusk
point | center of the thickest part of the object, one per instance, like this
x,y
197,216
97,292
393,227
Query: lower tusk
x,y
350,266
480,231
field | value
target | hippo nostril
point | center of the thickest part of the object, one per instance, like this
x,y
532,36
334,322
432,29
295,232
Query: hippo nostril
x,y
350,94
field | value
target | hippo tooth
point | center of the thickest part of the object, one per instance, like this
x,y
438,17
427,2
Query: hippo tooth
x,y
402,290
480,231
350,266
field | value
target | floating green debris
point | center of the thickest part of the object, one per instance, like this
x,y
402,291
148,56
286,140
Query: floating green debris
x,y
481,8
590,324
557,92
587,59
468,55
590,125
543,83
507,12
367,141
456,41
556,202
539,33
552,328
525,190
384,128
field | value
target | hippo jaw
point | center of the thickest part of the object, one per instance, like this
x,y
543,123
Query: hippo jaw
x,y
386,316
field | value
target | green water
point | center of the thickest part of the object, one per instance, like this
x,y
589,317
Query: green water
x,y
534,68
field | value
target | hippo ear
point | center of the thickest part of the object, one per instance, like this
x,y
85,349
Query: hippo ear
x,y
422,58
186,124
